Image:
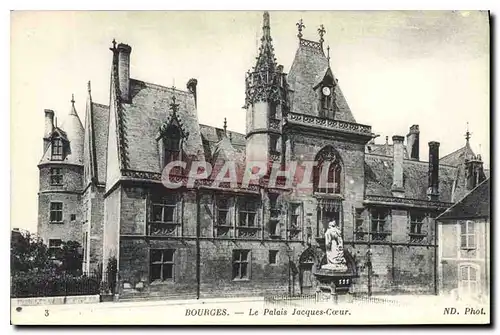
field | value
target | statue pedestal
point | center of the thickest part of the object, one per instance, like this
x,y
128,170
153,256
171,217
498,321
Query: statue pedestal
x,y
333,281
333,285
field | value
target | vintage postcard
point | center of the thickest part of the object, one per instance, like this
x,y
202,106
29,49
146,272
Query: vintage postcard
x,y
250,167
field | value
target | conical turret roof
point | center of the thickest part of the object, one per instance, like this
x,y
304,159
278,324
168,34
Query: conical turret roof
x,y
75,133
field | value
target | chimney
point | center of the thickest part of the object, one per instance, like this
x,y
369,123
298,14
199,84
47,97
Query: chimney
x,y
191,86
433,189
398,156
49,128
412,140
124,51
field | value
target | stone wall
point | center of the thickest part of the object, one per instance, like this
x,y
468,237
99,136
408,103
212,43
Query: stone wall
x,y
452,256
111,238
67,230
69,194
96,228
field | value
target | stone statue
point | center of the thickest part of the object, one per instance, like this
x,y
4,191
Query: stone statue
x,y
334,248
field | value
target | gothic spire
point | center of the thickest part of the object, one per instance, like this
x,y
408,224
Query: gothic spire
x,y
265,81
266,59
266,26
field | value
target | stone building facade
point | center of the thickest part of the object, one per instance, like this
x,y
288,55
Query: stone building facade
x,y
464,244
200,240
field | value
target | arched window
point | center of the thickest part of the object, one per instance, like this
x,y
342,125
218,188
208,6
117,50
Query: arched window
x,y
328,172
171,144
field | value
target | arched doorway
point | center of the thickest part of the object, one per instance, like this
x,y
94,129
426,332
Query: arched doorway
x,y
308,261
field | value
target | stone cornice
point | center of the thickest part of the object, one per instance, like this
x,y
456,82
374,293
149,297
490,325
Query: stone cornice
x,y
405,202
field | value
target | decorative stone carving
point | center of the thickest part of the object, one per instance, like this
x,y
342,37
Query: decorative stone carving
x,y
331,124
162,229
334,249
248,232
274,124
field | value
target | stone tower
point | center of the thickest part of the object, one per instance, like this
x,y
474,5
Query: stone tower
x,y
61,176
265,102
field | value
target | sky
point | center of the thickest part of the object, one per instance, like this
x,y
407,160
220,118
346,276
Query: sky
x,y
395,69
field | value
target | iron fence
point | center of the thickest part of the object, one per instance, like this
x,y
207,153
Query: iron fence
x,y
26,285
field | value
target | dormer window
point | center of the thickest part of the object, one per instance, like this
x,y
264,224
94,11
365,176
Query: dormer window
x,y
326,103
172,144
57,149
171,136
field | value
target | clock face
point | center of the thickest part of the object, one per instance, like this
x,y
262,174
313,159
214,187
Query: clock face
x,y
326,91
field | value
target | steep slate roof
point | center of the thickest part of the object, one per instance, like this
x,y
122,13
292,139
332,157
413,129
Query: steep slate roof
x,y
101,119
148,110
309,67
476,204
384,150
212,137
96,139
75,132
458,156
379,173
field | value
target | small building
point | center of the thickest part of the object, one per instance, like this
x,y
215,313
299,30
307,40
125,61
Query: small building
x,y
464,249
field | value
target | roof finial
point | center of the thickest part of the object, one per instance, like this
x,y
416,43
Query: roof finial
x,y
88,86
266,26
467,133
231,137
73,99
321,32
300,25
174,106
328,53
225,126
173,91
114,43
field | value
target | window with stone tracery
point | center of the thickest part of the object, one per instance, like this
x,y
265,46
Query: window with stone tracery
x,y
327,172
